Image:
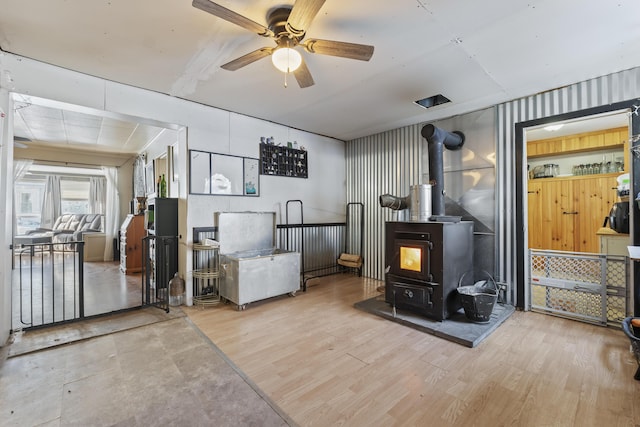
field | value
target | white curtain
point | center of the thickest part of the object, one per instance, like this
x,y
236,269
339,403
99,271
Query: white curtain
x,y
97,195
20,168
112,210
51,203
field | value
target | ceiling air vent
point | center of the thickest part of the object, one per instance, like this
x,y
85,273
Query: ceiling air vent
x,y
432,101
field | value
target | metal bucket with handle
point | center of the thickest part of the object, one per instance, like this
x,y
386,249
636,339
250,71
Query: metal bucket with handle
x,y
478,299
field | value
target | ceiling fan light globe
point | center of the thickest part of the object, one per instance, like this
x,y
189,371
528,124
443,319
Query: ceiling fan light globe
x,y
286,59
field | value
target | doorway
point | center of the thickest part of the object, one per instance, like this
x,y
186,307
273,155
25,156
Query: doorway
x,y
69,140
524,130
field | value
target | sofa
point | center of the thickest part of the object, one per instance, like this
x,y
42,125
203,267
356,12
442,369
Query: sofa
x,y
71,227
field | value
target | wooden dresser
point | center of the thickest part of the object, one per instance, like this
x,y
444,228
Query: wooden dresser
x,y
131,233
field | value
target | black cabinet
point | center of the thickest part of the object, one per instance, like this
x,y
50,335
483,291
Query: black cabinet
x,y
162,217
283,161
160,256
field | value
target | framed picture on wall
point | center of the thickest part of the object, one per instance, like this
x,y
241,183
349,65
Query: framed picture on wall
x,y
251,177
199,172
223,174
174,162
226,174
149,177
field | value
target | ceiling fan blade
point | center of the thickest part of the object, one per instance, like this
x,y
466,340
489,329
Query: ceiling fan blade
x,y
303,76
231,16
361,52
247,59
302,14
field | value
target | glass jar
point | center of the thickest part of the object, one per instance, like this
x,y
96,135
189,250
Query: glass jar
x,y
550,170
176,290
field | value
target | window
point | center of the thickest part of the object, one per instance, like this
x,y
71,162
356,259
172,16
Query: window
x,y
74,195
29,195
29,192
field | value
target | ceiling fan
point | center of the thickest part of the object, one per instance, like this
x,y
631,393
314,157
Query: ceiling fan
x,y
287,26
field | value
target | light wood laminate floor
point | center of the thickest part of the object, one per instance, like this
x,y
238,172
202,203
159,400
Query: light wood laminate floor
x,y
326,363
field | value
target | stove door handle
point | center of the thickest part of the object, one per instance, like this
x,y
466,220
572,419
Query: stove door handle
x,y
430,248
408,293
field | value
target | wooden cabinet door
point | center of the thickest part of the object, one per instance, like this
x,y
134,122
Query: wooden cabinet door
x,y
561,214
135,234
594,197
535,222
565,215
551,215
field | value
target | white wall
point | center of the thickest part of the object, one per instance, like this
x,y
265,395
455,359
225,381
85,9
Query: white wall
x,y
209,129
322,194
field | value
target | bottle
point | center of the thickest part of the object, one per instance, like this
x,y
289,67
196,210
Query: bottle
x,y
176,290
163,187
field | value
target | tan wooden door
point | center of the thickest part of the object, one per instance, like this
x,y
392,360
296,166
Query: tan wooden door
x,y
560,214
565,215
550,215
535,222
594,197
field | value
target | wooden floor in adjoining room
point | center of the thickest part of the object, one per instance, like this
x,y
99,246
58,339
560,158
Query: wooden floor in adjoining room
x,y
106,289
325,363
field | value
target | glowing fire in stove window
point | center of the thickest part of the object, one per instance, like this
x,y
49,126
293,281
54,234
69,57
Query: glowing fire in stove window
x,y
410,259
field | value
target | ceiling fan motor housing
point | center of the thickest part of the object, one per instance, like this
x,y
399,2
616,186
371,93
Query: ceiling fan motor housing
x,y
277,22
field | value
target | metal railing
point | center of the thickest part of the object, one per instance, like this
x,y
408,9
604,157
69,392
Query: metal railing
x,y
319,245
49,287
159,264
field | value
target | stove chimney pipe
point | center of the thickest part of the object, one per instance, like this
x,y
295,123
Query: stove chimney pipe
x,y
436,140
394,202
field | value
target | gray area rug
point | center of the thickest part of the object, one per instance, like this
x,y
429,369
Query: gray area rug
x,y
24,342
163,373
457,328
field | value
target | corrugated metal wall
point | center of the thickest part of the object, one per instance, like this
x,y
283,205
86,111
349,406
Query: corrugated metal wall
x,y
320,244
386,163
392,161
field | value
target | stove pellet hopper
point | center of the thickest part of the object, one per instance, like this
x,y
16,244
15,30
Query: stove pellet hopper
x,y
253,268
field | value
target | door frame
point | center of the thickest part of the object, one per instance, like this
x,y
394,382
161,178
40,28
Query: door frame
x,y
633,108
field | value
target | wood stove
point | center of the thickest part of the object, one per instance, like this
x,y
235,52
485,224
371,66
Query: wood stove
x,y
425,261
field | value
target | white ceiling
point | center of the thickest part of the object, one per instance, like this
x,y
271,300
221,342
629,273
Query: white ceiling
x,y
611,120
476,53
41,122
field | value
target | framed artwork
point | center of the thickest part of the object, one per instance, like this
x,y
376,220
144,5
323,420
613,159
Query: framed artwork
x,y
149,177
223,174
174,162
251,177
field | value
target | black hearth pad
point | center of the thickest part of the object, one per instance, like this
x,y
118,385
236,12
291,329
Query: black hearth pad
x,y
457,328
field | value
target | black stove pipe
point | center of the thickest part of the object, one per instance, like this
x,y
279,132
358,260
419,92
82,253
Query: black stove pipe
x,y
394,202
436,140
